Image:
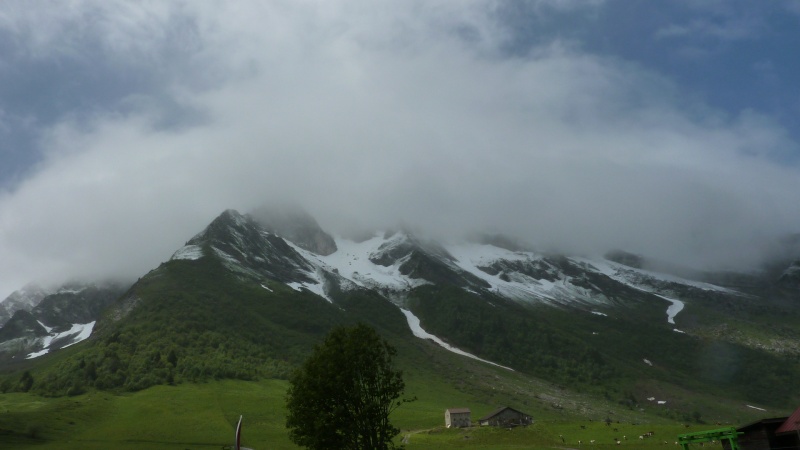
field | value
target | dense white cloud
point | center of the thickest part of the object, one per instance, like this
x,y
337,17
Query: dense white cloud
x,y
375,112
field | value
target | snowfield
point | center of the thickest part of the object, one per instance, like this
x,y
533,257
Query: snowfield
x,y
471,256
352,267
352,263
79,332
634,277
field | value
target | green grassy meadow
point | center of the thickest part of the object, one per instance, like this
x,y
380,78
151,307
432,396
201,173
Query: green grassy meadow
x,y
204,416
185,416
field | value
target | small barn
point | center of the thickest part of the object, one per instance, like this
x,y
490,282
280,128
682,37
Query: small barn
x,y
505,417
770,434
788,434
758,435
457,417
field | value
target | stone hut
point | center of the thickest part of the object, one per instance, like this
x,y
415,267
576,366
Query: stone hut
x,y
457,417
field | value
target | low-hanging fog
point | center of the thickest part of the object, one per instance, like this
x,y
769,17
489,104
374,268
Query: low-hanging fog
x,y
368,114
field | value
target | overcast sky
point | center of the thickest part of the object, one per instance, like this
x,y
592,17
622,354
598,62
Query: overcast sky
x,y
670,129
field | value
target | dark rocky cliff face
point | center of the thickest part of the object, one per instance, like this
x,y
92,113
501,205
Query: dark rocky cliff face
x,y
253,248
77,306
21,325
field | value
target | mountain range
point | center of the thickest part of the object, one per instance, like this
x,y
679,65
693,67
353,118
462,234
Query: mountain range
x,y
251,294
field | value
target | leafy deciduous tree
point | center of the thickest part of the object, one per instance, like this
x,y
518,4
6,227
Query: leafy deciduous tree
x,y
343,394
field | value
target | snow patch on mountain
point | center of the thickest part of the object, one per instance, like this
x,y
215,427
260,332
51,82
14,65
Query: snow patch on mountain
x,y
318,283
640,278
190,252
232,263
317,288
643,280
226,258
77,333
471,257
352,263
673,309
48,329
69,290
416,329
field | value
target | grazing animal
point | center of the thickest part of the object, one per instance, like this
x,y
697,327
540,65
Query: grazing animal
x,y
641,436
583,427
592,441
580,442
625,437
562,438
619,443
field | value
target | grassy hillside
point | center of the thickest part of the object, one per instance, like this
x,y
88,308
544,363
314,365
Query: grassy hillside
x,y
605,354
194,321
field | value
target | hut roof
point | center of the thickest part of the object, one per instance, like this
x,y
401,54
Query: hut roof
x,y
499,410
791,424
771,422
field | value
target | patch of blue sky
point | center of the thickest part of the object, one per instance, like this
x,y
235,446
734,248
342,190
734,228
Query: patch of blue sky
x,y
736,56
38,92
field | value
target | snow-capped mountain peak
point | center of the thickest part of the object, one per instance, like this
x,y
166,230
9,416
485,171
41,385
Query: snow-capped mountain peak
x,y
397,262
